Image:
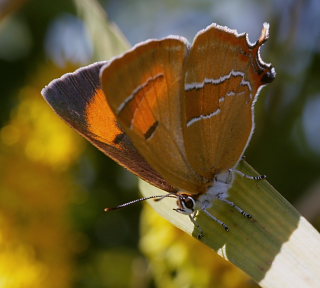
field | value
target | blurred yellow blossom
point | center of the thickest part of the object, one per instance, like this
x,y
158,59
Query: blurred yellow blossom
x,y
39,133
37,244
19,266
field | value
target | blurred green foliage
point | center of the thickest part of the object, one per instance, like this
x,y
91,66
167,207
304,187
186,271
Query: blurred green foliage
x,y
54,186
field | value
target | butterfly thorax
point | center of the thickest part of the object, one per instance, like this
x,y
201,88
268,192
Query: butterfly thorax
x,y
190,203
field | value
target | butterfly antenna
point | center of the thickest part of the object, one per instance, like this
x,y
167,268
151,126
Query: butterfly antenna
x,y
156,197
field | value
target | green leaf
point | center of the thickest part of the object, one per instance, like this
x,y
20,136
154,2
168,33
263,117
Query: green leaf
x,y
108,41
277,248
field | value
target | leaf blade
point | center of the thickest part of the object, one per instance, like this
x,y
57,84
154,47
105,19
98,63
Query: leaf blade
x,y
270,248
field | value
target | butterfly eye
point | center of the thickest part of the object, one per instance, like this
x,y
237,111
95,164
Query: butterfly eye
x,y
188,203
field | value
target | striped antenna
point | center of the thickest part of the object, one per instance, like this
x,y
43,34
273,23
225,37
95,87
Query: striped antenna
x,y
156,197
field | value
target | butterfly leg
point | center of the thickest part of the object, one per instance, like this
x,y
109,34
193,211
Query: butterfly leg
x,y
260,177
240,210
193,220
217,220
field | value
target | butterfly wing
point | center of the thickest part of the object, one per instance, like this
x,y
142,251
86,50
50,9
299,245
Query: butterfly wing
x,y
143,88
78,98
223,75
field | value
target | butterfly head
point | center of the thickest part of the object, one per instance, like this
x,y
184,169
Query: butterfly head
x,y
186,204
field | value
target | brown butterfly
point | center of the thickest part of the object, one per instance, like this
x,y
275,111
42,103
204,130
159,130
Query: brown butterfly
x,y
177,115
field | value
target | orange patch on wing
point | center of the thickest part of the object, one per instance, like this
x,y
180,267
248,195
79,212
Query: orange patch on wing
x,y
101,120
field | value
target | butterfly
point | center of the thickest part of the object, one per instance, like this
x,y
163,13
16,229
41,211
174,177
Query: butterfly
x,y
179,116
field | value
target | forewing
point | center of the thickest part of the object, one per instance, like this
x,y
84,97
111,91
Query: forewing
x,y
143,88
78,98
